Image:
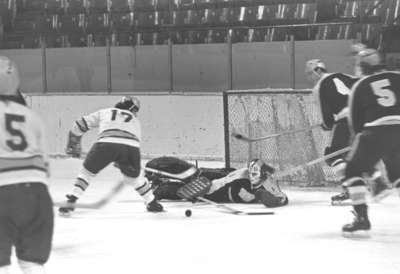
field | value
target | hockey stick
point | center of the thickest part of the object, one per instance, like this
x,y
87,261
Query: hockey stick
x,y
199,187
98,204
232,210
251,140
311,163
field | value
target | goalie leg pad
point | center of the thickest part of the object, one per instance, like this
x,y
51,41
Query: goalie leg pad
x,y
196,188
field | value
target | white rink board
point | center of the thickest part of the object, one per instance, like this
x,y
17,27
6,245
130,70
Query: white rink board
x,y
303,237
183,125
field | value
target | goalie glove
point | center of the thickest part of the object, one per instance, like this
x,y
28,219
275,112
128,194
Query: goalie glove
x,y
195,188
325,127
74,147
271,198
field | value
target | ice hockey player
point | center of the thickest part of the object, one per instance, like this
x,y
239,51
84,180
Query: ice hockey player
x,y
118,142
332,91
251,184
26,209
374,107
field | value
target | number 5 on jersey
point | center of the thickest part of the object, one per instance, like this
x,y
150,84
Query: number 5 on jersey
x,y
387,97
14,143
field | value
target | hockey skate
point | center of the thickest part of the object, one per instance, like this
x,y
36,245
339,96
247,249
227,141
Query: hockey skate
x,y
339,199
154,206
67,210
360,224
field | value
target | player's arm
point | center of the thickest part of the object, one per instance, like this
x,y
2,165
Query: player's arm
x,y
41,137
356,117
79,128
325,89
232,176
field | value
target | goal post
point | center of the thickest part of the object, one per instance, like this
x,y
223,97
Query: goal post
x,y
262,112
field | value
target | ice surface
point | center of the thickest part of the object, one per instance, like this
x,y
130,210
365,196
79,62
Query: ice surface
x,y
303,237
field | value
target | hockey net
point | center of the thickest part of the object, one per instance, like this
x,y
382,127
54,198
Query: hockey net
x,y
259,113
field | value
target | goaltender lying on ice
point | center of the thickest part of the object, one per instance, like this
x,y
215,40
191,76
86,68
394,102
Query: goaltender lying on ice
x,y
251,184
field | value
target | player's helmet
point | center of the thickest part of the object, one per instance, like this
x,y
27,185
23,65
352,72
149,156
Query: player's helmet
x,y
129,103
259,171
314,69
369,61
9,77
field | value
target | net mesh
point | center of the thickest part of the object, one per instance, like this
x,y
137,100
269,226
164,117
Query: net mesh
x,y
259,113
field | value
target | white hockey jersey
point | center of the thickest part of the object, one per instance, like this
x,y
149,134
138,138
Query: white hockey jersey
x,y
22,143
114,126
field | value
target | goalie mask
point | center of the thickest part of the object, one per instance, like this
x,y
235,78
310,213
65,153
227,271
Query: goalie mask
x,y
9,77
259,172
129,103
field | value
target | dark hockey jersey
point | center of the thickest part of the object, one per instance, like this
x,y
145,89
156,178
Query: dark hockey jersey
x,y
375,101
332,91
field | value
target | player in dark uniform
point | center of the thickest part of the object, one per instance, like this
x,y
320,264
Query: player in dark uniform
x,y
245,185
375,119
332,90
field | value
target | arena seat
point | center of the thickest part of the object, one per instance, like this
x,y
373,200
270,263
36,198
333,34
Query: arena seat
x,y
120,6
75,6
97,6
76,40
97,22
54,6
121,21
72,23
54,40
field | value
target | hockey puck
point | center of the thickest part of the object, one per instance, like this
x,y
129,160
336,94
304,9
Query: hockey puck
x,y
188,213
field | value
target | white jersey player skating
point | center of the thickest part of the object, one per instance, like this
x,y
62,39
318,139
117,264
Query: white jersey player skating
x,y
26,209
119,134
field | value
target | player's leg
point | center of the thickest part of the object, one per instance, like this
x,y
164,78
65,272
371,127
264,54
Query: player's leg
x,y
392,163
34,219
100,155
362,159
339,140
129,162
7,230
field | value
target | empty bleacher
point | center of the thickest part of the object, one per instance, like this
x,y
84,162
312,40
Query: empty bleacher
x,y
77,23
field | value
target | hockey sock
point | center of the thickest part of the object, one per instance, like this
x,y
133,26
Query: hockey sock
x,y
357,190
142,186
31,267
361,210
82,182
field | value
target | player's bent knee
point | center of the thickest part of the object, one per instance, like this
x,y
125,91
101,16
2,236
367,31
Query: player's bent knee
x,y
86,175
131,172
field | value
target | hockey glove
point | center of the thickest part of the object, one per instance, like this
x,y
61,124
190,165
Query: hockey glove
x,y
196,188
271,199
74,147
325,127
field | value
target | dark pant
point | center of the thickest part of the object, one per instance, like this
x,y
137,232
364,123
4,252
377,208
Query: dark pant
x,y
26,222
340,139
126,157
371,146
